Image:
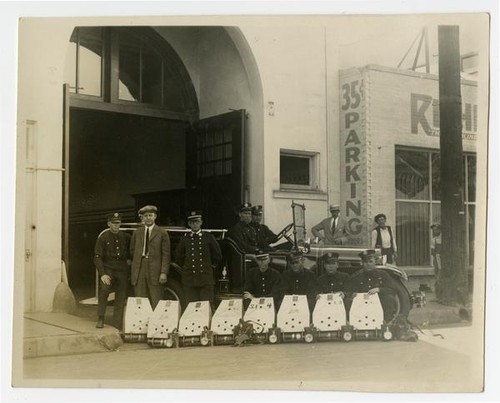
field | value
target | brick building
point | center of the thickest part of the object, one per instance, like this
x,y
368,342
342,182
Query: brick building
x,y
390,158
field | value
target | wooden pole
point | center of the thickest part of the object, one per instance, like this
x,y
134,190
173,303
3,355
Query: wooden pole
x,y
451,287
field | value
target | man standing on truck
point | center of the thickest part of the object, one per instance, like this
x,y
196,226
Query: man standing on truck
x,y
264,235
111,258
261,281
150,250
242,232
334,228
198,253
373,281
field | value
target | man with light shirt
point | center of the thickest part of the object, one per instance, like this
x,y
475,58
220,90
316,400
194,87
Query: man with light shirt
x,y
332,230
382,238
150,251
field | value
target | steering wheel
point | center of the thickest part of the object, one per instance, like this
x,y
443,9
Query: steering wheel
x,y
285,233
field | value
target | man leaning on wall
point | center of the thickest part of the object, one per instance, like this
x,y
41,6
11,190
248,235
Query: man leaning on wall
x,y
332,230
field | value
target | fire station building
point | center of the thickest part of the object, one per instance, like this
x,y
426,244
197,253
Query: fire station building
x,y
112,116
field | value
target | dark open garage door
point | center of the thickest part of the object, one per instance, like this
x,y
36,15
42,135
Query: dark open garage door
x,y
215,167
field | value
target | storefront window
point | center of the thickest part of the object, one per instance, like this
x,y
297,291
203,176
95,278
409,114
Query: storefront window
x,y
436,176
418,205
412,231
412,175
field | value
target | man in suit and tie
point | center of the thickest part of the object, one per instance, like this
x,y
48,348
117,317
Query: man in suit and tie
x,y
150,251
334,228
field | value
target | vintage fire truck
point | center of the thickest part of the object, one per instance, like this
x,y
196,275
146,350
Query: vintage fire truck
x,y
230,275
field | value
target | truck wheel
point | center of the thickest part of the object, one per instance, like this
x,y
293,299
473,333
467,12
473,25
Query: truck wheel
x,y
402,298
173,291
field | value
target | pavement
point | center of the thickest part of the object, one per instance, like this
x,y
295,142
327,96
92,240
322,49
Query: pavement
x,y
52,334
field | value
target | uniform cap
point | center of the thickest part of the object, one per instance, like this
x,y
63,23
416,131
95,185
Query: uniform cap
x,y
193,214
367,253
437,225
262,256
245,207
295,255
330,257
148,209
334,207
256,210
379,216
114,217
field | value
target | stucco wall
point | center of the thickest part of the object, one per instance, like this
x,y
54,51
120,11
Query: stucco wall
x,y
292,69
40,82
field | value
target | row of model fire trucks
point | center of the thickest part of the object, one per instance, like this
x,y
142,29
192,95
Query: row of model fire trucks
x,y
166,327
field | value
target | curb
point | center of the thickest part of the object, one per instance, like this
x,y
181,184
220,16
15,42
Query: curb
x,y
71,344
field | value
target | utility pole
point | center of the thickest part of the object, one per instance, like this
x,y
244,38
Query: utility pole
x,y
451,287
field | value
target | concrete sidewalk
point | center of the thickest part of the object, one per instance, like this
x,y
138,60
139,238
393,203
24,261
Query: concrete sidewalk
x,y
48,334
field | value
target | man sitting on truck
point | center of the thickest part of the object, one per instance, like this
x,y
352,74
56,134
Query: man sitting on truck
x,y
242,233
264,235
332,280
297,280
261,281
372,281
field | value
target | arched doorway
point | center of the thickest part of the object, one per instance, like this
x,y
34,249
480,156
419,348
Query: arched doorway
x,y
134,137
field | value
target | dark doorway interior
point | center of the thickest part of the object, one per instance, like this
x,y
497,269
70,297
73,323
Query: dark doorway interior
x,y
119,162
116,162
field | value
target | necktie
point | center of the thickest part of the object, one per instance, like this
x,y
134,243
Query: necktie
x,y
333,226
146,242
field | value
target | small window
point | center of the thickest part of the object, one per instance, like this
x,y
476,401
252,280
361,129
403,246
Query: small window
x,y
85,75
298,170
141,72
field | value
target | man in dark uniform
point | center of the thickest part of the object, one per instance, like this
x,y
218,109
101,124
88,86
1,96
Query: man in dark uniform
x,y
242,233
372,280
199,254
332,280
261,281
112,260
264,235
297,280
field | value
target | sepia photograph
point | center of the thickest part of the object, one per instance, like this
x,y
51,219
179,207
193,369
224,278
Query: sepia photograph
x,y
251,202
